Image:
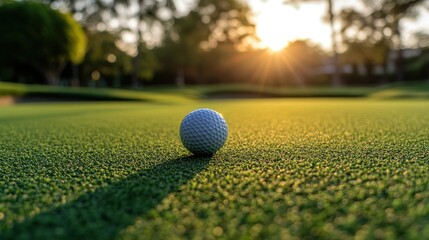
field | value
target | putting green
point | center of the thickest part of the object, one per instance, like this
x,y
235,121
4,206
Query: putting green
x,y
291,168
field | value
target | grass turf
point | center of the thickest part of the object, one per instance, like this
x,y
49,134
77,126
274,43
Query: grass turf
x,y
87,94
173,94
309,168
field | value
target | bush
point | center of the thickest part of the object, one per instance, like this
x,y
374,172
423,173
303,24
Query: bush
x,y
33,35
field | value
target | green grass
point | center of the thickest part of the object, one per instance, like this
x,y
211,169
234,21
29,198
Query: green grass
x,y
405,90
291,169
173,94
105,94
240,90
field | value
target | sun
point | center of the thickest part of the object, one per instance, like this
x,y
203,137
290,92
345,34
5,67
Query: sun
x,y
275,25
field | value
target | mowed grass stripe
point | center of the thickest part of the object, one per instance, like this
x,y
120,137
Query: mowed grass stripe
x,y
290,169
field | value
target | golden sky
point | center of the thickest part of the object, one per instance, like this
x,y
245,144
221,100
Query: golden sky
x,y
278,23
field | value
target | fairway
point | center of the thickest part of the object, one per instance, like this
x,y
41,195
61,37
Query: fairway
x,y
294,168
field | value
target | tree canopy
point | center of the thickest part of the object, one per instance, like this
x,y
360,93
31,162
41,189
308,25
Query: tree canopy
x,y
369,34
37,36
207,27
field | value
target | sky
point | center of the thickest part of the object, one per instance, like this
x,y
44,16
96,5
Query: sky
x,y
305,20
280,23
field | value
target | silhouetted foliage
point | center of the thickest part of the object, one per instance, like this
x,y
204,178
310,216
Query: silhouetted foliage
x,y
296,65
207,27
376,29
331,17
36,36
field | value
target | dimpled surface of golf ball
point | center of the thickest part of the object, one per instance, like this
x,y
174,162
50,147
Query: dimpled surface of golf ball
x,y
203,131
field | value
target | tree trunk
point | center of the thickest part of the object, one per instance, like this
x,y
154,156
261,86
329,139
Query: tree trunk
x,y
75,75
427,71
399,61
180,77
135,73
51,77
369,69
385,79
136,60
399,65
74,67
355,70
336,78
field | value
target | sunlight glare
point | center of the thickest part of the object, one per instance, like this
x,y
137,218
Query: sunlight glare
x,y
271,25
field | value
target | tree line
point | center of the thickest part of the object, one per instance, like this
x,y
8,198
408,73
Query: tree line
x,y
130,43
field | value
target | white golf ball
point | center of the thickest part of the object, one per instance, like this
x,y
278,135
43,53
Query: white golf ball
x,y
203,131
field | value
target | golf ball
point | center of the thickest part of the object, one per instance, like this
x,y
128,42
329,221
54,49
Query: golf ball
x,y
203,131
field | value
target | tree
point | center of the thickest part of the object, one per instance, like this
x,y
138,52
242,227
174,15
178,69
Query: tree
x,y
180,50
391,13
89,14
98,16
104,58
379,23
37,36
336,80
148,13
336,77
209,26
227,21
302,58
365,43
